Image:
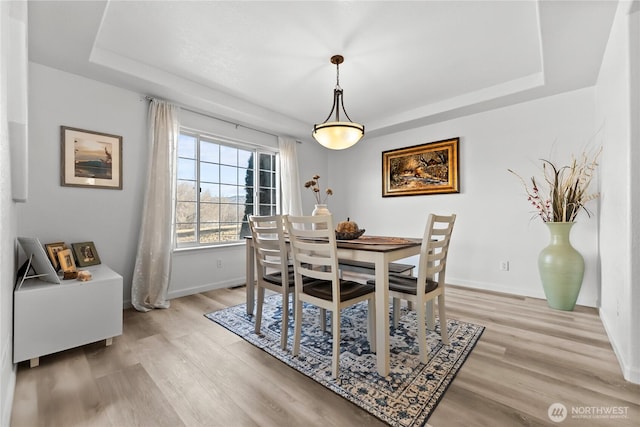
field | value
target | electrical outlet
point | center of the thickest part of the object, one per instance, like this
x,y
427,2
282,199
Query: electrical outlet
x,y
219,263
504,265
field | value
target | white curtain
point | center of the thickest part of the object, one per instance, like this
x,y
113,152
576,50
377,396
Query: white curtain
x,y
289,177
150,284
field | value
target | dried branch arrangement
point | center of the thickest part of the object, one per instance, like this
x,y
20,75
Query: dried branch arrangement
x,y
563,191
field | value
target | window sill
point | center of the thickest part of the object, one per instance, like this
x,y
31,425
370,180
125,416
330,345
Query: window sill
x,y
209,247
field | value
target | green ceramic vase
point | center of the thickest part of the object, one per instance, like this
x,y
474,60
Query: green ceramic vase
x,y
561,268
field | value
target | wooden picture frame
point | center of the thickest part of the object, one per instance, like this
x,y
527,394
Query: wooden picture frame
x,y
421,169
52,252
86,254
90,159
67,264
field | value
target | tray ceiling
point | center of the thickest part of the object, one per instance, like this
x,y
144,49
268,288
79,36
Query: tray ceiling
x,y
266,63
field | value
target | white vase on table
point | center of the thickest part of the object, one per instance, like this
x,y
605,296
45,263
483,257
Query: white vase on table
x,y
320,209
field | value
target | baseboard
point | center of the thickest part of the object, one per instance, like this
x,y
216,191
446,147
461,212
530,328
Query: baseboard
x,y
630,373
485,286
206,287
507,290
195,290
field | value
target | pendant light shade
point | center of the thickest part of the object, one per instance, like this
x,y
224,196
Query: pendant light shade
x,y
338,135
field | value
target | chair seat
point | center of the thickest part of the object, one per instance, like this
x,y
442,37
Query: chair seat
x,y
406,284
276,278
369,267
348,290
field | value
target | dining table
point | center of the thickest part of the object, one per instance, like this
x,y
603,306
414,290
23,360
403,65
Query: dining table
x,y
378,250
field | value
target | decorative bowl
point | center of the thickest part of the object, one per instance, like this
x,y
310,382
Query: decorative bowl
x,y
349,235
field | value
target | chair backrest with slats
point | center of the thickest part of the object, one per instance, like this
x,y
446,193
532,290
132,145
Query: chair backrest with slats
x,y
313,247
269,243
435,248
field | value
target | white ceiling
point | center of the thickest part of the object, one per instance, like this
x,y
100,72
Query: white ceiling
x,y
266,64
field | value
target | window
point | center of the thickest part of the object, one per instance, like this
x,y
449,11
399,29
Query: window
x,y
216,189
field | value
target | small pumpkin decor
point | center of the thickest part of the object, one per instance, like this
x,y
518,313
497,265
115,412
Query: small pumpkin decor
x,y
348,230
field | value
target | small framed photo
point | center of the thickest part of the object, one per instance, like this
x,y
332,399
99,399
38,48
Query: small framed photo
x,y
52,252
67,264
86,254
421,169
90,159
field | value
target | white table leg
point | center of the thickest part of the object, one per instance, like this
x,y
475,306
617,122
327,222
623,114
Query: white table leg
x,y
34,362
382,313
108,341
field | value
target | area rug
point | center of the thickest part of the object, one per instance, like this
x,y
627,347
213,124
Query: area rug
x,y
406,397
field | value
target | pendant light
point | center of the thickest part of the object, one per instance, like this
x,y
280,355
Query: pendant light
x,y
338,135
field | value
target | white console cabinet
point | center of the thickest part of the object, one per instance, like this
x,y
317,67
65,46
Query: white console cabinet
x,y
48,318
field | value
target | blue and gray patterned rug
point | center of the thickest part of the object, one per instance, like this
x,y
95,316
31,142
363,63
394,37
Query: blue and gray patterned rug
x,y
404,398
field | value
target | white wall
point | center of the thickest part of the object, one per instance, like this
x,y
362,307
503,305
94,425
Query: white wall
x,y
619,222
111,218
493,222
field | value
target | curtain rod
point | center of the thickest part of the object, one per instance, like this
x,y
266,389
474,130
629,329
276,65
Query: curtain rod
x,y
184,107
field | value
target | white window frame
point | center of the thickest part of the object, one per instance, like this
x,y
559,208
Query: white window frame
x,y
257,150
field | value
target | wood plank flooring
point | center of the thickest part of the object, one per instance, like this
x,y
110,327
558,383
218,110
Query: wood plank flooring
x,y
174,367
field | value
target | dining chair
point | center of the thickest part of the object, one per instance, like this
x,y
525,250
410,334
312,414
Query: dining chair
x,y
432,267
274,270
315,257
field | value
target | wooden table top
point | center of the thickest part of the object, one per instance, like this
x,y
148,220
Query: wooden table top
x,y
378,243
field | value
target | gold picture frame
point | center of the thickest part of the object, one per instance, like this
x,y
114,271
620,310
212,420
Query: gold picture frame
x,y
67,264
421,169
90,159
52,252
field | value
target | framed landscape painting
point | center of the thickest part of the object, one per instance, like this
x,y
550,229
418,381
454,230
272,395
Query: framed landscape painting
x,y
90,159
421,169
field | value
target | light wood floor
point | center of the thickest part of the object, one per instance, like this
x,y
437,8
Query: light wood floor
x,y
174,367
